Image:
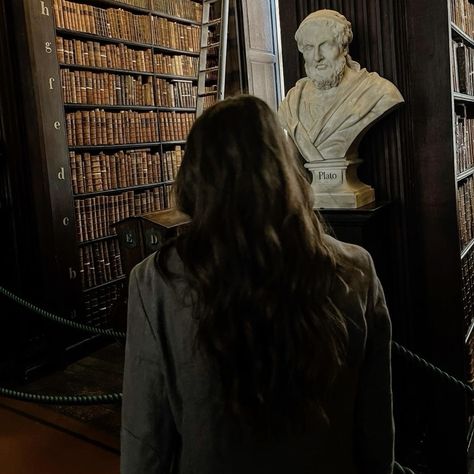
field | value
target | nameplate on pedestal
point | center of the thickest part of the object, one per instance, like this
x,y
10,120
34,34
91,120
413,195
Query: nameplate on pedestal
x,y
336,185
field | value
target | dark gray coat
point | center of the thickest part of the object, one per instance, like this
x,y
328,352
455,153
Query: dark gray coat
x,y
169,411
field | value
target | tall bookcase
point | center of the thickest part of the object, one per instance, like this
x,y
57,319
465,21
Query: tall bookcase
x,y
111,93
462,87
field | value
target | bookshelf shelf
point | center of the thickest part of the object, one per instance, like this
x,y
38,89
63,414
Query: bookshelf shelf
x,y
127,71
173,76
117,4
115,146
100,239
109,107
458,96
127,107
106,39
104,69
125,146
187,21
460,33
133,8
467,249
102,285
175,142
139,187
465,174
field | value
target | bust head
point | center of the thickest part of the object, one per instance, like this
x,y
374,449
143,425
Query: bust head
x,y
323,38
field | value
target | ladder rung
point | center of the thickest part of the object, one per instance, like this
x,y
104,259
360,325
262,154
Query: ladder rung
x,y
210,1
212,22
207,93
210,46
210,69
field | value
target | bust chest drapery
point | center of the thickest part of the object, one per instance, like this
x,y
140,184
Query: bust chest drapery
x,y
358,101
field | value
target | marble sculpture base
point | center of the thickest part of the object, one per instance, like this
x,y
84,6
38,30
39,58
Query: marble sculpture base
x,y
336,185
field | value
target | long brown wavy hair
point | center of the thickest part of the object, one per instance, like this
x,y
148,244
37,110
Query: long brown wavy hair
x,y
257,266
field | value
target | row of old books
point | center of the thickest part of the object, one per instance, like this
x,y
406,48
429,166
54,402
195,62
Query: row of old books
x,y
176,35
96,216
463,66
92,53
124,25
462,14
188,9
465,198
467,269
180,94
213,34
124,169
95,54
99,304
175,126
208,101
104,88
98,127
464,134
178,65
99,263
110,23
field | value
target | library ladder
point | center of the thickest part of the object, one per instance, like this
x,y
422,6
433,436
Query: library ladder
x,y
211,80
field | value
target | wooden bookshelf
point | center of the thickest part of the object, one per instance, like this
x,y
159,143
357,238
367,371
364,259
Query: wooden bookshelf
x,y
116,98
462,65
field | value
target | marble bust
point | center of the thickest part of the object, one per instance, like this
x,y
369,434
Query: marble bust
x,y
327,112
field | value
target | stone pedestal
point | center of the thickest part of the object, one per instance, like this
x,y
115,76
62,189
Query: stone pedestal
x,y
336,185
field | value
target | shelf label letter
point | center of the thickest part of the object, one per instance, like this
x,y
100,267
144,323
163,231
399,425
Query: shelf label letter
x,y
66,221
48,48
61,173
44,9
51,81
72,276
57,125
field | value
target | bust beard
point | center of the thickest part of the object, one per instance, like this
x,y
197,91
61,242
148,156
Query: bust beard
x,y
331,79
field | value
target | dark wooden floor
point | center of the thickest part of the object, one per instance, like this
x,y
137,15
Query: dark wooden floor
x,y
35,442
98,373
45,439
37,439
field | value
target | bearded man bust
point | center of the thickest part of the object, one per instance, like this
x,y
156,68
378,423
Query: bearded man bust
x,y
327,113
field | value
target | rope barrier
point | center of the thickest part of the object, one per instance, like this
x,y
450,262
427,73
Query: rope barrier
x,y
61,399
58,319
115,397
427,365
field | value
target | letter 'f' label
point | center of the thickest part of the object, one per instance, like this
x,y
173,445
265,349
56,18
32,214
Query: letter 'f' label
x,y
44,9
51,82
